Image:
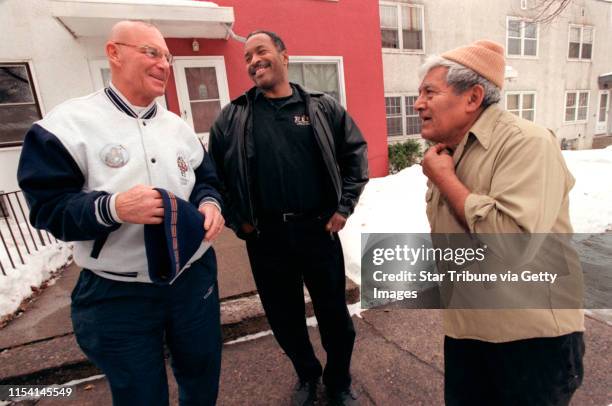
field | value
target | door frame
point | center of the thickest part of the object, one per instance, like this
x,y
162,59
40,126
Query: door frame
x,y
601,127
181,62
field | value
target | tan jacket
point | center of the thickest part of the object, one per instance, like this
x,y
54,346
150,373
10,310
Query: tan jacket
x,y
519,183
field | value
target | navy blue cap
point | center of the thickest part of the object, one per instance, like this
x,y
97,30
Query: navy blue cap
x,y
176,242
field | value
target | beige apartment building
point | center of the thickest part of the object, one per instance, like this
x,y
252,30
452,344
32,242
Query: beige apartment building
x,y
559,73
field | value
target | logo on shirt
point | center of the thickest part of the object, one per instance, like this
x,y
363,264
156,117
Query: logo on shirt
x,y
301,120
114,155
183,168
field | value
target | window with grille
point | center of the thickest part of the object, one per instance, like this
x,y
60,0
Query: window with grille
x,y
580,42
402,118
19,107
523,104
393,107
576,106
401,26
413,122
521,38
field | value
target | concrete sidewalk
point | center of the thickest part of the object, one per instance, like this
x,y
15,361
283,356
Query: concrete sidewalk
x,y
397,361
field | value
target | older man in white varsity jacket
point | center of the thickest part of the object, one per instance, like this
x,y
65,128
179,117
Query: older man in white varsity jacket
x,y
93,172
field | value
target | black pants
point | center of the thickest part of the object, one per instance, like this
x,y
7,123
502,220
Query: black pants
x,y
283,258
537,371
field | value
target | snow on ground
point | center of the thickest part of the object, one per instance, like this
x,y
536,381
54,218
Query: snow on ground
x,y
396,203
39,265
591,197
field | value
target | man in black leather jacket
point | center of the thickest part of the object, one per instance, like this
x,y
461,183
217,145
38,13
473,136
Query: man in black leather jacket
x,y
293,164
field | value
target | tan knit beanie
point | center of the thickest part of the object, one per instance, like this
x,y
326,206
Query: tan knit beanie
x,y
483,57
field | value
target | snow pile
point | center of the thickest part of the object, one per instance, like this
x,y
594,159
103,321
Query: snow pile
x,y
396,203
17,284
591,197
393,204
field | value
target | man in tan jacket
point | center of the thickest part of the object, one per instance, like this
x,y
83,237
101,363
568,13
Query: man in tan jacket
x,y
493,172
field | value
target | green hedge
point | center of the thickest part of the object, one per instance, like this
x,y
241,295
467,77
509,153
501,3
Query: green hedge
x,y
403,155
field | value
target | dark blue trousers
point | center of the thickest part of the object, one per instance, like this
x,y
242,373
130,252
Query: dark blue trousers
x,y
122,328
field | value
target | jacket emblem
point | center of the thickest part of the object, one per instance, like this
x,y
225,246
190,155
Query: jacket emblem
x,y
301,120
114,155
183,168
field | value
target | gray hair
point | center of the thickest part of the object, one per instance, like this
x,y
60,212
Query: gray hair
x,y
461,78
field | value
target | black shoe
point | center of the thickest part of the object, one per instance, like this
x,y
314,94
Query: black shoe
x,y
305,393
342,398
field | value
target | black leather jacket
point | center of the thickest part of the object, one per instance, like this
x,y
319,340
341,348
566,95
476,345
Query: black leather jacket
x,y
231,147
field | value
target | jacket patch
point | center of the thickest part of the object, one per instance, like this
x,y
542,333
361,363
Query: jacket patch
x,y
114,155
183,168
301,120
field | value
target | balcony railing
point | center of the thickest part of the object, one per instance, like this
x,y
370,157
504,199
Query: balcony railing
x,y
18,239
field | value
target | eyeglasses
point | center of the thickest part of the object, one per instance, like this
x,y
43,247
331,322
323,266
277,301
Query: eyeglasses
x,y
151,52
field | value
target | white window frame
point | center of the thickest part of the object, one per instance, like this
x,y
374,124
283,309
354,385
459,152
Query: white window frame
x,y
401,116
522,93
338,60
577,91
401,50
579,59
601,126
522,38
37,94
403,136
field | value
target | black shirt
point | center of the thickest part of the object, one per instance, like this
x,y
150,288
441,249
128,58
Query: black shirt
x,y
290,175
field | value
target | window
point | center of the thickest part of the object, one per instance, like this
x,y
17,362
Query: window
x,y
576,106
522,104
393,107
413,121
402,118
18,103
401,26
521,38
319,73
580,42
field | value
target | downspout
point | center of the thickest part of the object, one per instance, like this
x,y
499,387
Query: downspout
x,y
232,34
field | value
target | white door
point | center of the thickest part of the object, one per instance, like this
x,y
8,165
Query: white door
x,y
201,85
603,110
101,76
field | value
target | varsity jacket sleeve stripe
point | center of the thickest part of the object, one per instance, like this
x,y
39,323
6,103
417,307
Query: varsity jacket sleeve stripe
x,y
52,184
206,184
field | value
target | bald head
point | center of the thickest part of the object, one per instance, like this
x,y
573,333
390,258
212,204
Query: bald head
x,y
136,52
124,30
